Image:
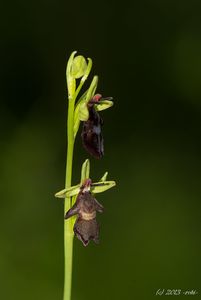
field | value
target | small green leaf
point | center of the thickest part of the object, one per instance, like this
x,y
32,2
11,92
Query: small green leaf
x,y
99,187
69,192
85,170
103,104
79,67
104,177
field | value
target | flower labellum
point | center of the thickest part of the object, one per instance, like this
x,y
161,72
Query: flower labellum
x,y
92,138
86,227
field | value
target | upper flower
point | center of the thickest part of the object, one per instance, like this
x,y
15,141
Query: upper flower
x,y
92,138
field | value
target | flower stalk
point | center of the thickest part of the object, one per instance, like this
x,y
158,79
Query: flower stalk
x,y
68,226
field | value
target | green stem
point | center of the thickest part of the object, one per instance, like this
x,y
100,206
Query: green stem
x,y
68,225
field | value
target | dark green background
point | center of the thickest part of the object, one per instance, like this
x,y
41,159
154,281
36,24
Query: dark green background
x,y
148,57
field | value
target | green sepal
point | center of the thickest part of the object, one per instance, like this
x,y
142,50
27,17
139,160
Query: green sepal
x,y
79,67
99,187
69,192
85,170
83,111
103,104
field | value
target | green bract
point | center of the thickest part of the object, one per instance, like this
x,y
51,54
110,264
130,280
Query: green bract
x,y
71,83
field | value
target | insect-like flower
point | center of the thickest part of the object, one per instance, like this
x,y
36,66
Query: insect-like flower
x,y
86,227
92,138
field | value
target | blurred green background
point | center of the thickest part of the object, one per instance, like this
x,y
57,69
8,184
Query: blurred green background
x,y
148,57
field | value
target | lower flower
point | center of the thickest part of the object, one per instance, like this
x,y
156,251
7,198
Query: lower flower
x,y
86,227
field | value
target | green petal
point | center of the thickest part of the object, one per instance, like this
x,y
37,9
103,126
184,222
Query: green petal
x,y
92,89
85,170
104,177
69,192
103,104
99,187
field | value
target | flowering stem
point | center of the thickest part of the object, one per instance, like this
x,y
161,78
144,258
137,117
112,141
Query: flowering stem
x,y
68,225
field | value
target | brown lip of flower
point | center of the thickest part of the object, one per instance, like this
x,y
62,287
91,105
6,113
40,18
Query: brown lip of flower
x,y
87,230
92,138
86,227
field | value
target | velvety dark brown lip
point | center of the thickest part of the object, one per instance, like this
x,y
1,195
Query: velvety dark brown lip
x,y
92,138
86,205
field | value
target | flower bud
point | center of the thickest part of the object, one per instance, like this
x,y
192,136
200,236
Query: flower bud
x,y
79,67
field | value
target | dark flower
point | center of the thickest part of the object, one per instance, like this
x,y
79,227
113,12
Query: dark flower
x,y
92,138
86,227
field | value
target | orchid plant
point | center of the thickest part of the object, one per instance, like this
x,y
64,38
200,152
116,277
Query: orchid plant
x,y
80,199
